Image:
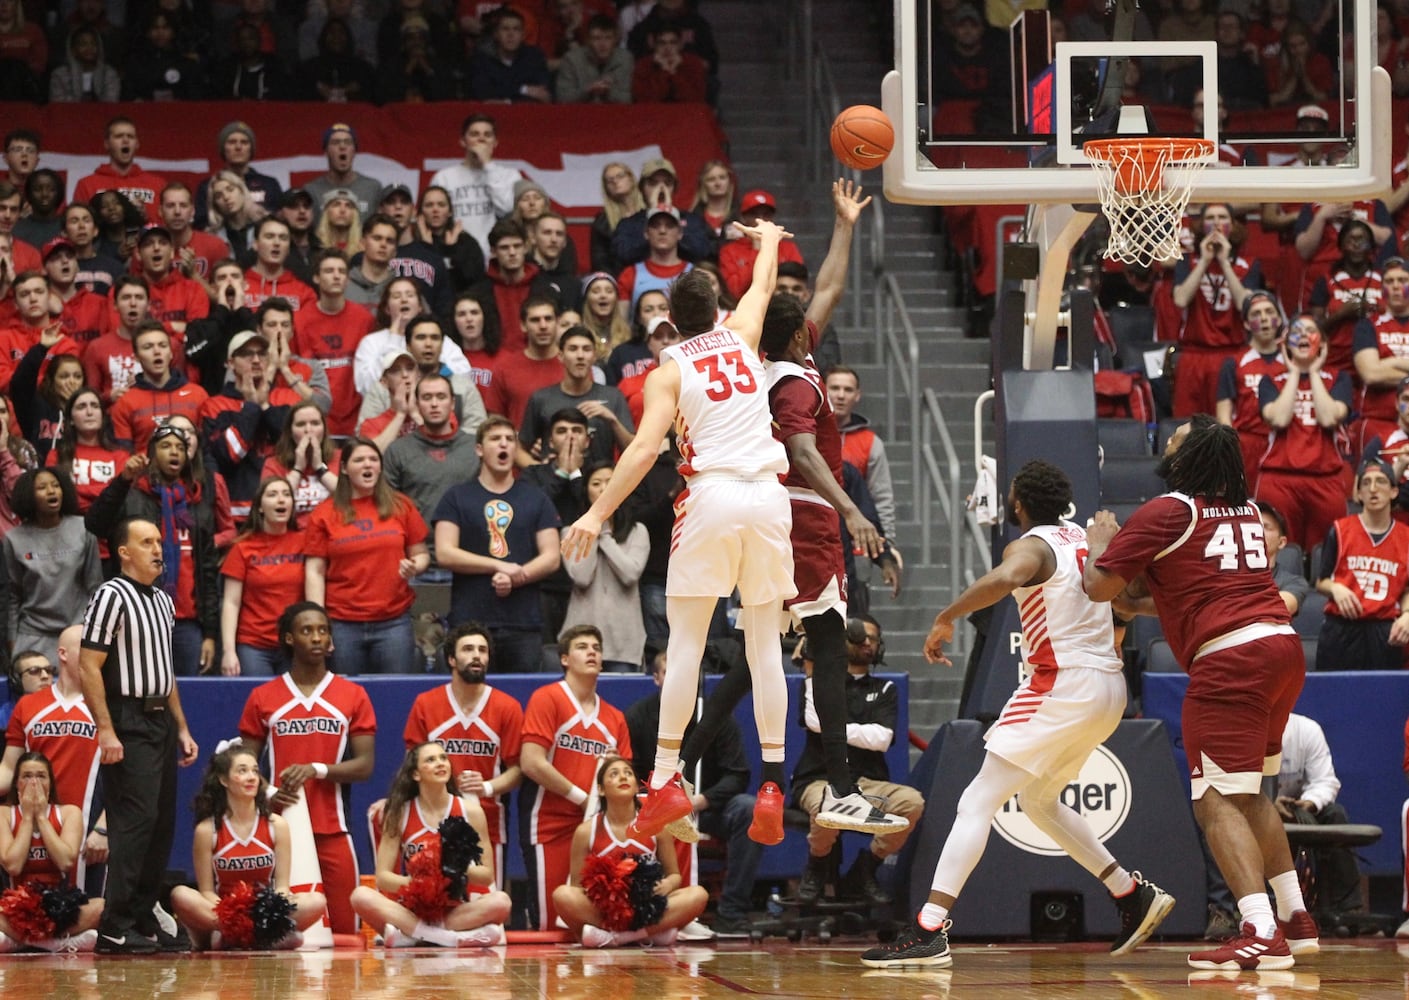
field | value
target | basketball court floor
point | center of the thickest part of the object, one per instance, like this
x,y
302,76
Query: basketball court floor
x,y
1345,969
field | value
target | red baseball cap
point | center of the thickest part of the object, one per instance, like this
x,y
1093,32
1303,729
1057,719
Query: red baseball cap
x,y
758,199
54,246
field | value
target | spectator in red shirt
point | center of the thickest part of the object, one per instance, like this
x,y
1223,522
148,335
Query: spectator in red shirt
x,y
86,315
353,540
736,257
518,374
197,252
1298,73
161,390
263,575
38,402
269,278
304,457
86,450
717,199
109,363
510,280
24,256
175,300
669,74
21,156
32,318
329,331
21,40
122,172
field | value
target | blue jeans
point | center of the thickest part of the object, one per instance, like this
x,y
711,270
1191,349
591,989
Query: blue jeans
x,y
653,614
518,651
255,661
186,648
741,867
384,647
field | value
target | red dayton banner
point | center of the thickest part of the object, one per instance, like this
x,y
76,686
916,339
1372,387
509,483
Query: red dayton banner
x,y
563,147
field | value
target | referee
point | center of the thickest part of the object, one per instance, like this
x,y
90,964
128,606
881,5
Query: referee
x,y
130,688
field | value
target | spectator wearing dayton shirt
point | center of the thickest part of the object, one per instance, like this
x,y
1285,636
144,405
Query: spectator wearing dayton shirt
x,y
263,575
437,227
86,451
415,258
480,727
122,172
320,731
1239,378
1350,290
236,146
1382,356
31,323
1364,572
481,190
1305,405
159,391
353,539
110,363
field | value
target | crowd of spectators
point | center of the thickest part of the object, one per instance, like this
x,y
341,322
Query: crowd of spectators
x,y
338,51
308,387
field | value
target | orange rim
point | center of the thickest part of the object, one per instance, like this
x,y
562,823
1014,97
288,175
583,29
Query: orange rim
x,y
1138,162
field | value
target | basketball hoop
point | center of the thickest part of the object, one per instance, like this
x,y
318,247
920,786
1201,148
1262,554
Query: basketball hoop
x,y
1143,205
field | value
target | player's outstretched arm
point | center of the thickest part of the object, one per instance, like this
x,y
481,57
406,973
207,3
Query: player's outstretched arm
x,y
1026,563
747,320
662,393
831,276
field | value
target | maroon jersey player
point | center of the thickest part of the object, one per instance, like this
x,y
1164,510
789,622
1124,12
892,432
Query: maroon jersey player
x,y
1200,551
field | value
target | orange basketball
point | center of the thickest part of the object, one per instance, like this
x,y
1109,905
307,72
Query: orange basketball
x,y
862,137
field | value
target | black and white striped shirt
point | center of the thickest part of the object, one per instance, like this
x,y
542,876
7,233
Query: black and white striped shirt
x,y
132,623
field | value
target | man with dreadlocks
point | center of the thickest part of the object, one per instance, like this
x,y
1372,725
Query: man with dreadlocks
x,y
1071,703
1200,550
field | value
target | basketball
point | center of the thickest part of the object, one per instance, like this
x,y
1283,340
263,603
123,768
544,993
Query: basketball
x,y
862,137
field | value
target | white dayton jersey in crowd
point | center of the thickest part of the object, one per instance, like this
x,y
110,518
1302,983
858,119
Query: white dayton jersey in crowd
x,y
1061,626
723,422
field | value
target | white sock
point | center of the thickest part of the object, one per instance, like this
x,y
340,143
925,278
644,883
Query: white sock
x,y
932,916
1119,882
1286,887
667,763
1257,910
435,935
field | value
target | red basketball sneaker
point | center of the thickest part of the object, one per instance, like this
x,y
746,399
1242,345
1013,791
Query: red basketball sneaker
x,y
1246,951
767,825
1303,936
663,805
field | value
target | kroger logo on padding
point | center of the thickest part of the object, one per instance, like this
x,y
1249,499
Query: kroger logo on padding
x,y
1101,794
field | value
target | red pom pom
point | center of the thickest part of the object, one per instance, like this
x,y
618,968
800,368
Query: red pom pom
x,y
606,882
425,895
24,909
233,915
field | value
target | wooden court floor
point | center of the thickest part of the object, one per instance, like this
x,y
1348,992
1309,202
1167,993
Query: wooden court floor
x,y
1344,969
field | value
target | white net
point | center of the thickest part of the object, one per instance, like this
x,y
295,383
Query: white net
x,y
1144,204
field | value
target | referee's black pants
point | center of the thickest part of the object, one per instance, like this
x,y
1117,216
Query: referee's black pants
x,y
140,792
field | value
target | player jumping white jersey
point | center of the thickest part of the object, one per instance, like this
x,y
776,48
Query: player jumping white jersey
x,y
732,522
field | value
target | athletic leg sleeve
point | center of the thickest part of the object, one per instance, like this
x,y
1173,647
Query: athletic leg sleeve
x,y
770,691
826,640
996,782
689,627
1041,803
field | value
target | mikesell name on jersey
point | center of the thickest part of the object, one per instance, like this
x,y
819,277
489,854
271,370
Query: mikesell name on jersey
x,y
703,342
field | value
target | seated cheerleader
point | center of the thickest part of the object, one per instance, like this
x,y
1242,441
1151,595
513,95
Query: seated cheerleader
x,y
39,845
611,869
446,897
241,856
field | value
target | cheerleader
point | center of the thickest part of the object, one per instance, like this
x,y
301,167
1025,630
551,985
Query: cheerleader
x,y
419,802
599,845
39,845
238,841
